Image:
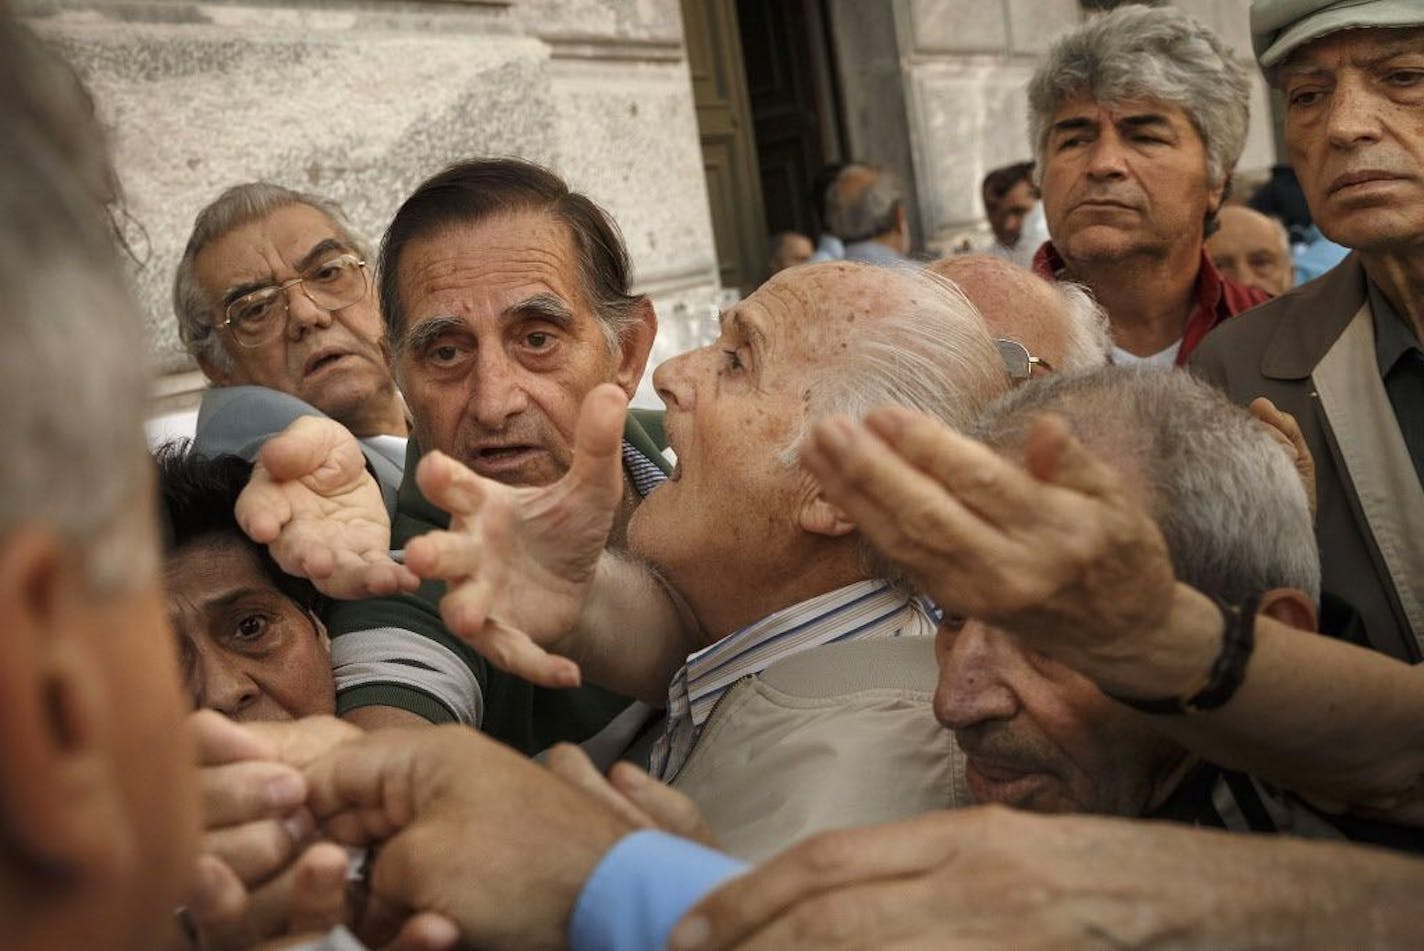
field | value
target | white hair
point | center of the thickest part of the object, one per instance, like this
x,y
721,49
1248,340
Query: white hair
x,y
73,370
1087,339
856,212
1225,494
1158,52
935,356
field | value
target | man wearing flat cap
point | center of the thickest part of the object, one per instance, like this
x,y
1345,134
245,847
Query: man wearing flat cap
x,y
1343,352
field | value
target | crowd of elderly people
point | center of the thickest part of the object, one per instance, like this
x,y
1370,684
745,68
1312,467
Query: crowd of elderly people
x,y
966,604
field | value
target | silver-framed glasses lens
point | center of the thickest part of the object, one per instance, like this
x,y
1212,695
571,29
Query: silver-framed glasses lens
x,y
259,316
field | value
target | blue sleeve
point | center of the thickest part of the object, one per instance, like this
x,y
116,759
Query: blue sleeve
x,y
642,888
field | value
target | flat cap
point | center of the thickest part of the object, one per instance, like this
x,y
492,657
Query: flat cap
x,y
1278,27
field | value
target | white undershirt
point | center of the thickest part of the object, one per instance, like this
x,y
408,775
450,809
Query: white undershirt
x,y
1165,358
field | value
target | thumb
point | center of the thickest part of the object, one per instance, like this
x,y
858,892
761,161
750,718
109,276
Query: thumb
x,y
450,484
303,447
1054,455
597,468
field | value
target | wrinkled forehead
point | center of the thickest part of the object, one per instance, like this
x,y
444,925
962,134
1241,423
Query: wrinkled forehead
x,y
819,305
1362,47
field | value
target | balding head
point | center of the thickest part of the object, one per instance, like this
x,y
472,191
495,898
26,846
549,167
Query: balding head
x,y
1252,249
866,203
1056,323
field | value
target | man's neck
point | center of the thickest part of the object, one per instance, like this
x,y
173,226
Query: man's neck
x,y
382,415
727,601
1147,299
1400,278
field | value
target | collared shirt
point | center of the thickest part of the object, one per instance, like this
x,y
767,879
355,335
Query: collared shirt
x,y
866,609
1401,366
1217,297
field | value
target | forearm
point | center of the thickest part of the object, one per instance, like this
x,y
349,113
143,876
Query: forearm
x,y
634,631
1336,723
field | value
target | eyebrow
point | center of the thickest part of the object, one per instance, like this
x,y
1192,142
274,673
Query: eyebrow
x,y
748,328
319,251
548,307
1390,51
1145,120
430,329
1076,124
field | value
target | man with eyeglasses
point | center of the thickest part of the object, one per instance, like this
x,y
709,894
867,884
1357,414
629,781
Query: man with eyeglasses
x,y
275,301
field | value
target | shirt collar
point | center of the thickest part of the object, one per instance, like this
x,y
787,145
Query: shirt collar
x,y
862,610
1392,336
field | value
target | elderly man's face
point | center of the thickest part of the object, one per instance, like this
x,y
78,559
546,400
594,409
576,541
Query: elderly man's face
x,y
1253,250
501,345
332,359
1125,178
247,650
732,408
1006,216
1354,126
1037,735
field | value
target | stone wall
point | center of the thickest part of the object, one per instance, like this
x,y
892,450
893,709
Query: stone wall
x,y
964,65
362,99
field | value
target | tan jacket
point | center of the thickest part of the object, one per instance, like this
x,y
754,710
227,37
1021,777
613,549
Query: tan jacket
x,y
836,736
1311,351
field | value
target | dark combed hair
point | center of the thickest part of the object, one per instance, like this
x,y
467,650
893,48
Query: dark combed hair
x,y
1001,180
197,495
472,191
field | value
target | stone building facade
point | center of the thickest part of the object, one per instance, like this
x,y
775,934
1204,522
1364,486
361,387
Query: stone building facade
x,y
362,99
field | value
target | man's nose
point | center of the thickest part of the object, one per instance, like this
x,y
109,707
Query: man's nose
x,y
1107,157
672,380
303,313
1353,118
971,686
226,687
498,392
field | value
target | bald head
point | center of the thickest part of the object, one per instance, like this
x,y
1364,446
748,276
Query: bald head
x,y
1063,328
1252,249
866,203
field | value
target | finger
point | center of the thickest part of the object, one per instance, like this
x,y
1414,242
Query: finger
x,y
597,469
307,445
824,862
218,906
890,501
218,740
237,793
256,851
1282,426
873,915
262,509
669,809
978,477
426,931
514,651
449,484
447,556
319,895
382,577
573,765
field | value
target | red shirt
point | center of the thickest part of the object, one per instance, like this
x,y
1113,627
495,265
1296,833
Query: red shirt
x,y
1217,297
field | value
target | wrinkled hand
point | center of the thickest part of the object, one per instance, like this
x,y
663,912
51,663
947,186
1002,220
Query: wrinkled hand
x,y
638,798
1056,551
1286,431
467,828
313,503
259,876
520,560
990,877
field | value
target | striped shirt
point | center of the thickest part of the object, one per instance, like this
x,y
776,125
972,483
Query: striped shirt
x,y
642,471
860,611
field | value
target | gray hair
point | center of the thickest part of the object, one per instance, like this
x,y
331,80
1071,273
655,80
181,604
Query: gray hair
x,y
234,208
1088,341
1225,494
73,371
936,357
1158,52
861,210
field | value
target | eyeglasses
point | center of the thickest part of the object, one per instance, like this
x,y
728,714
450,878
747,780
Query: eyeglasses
x,y
1019,361
258,316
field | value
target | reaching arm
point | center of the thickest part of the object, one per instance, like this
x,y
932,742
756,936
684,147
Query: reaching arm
x,y
1060,555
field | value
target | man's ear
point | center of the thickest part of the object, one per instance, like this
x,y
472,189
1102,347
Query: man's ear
x,y
58,793
1289,606
635,345
816,515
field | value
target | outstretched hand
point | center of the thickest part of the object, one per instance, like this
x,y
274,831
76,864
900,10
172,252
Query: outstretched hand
x,y
313,503
520,561
1055,551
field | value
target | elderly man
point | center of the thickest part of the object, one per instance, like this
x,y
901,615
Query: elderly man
x,y
865,209
274,301
1040,326
251,642
1342,354
1252,250
1138,118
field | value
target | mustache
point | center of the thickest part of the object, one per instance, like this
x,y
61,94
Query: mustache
x,y
1000,743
